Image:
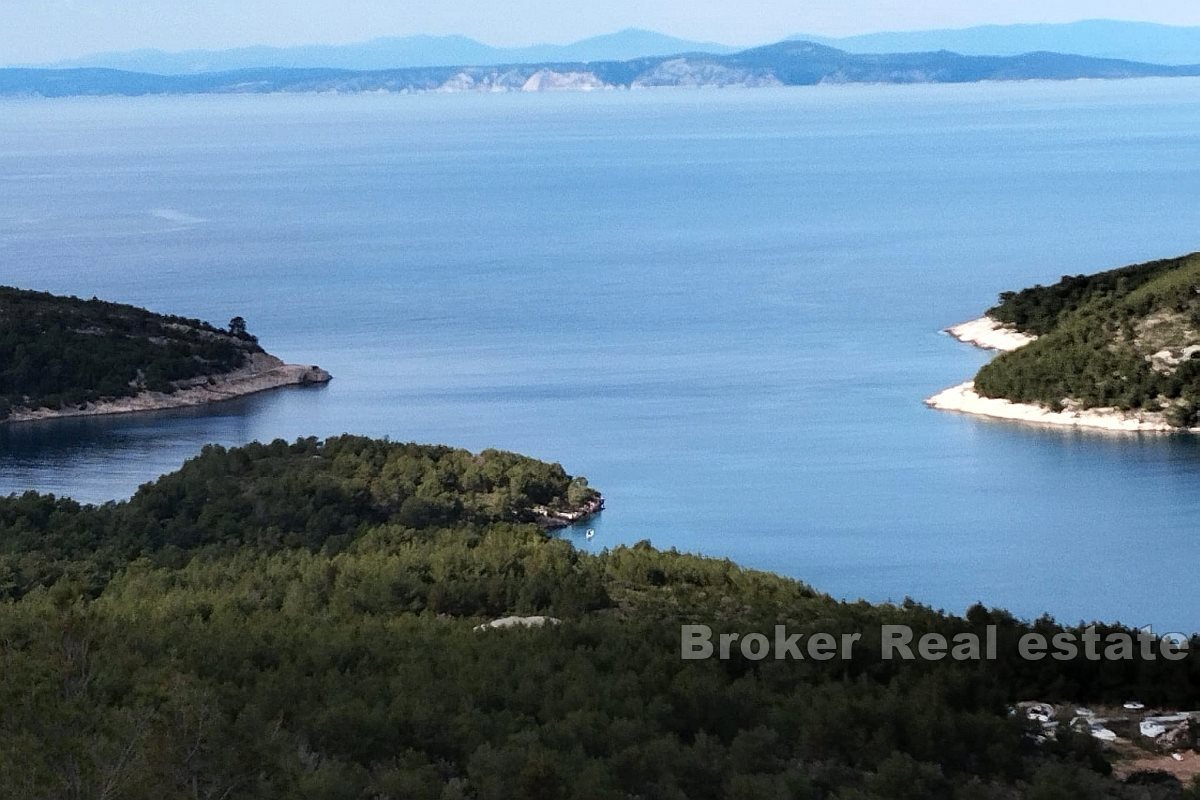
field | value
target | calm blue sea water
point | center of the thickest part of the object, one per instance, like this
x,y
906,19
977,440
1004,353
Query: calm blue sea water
x,y
723,307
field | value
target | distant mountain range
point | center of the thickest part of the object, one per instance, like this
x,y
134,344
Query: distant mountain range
x,y
790,63
1129,41
396,53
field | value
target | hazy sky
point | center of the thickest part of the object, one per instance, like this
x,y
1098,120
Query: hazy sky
x,y
45,30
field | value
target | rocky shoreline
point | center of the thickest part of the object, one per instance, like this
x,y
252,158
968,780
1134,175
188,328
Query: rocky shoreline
x,y
992,335
963,398
261,373
989,334
554,519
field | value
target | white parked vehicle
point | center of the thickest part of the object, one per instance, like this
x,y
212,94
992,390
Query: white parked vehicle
x,y
1151,729
1039,712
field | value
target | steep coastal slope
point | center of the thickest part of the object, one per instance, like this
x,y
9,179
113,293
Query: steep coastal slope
x,y
791,63
62,356
314,620
1117,350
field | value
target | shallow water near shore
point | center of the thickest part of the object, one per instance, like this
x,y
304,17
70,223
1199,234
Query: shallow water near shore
x,y
723,307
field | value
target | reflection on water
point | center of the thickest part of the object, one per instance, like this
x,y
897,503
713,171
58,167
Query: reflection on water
x,y
100,458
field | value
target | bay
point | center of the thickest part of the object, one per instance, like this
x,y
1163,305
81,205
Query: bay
x,y
721,306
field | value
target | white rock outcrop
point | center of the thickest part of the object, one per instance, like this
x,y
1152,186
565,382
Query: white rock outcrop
x,y
518,622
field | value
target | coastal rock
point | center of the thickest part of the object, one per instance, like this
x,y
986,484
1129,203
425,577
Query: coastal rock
x,y
261,372
965,399
553,519
547,80
989,334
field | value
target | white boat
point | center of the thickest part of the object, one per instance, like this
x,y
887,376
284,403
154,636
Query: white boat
x,y
590,534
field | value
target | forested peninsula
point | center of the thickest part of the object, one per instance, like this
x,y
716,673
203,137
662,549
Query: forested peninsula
x,y
63,356
1118,350
313,620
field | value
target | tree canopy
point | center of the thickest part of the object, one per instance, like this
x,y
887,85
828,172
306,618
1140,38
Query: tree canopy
x,y
284,620
64,351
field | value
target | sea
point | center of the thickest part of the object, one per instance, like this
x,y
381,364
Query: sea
x,y
723,307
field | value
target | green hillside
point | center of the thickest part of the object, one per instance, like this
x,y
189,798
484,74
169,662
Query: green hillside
x,y
62,351
1128,338
299,621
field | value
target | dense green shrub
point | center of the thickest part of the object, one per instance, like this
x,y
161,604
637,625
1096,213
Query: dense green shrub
x,y
1039,309
266,623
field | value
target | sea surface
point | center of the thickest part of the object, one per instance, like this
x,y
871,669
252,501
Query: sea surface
x,y
723,307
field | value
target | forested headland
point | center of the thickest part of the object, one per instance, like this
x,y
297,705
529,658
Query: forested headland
x,y
1127,338
298,620
61,354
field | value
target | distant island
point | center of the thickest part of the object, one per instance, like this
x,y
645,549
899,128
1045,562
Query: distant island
x,y
1119,350
67,357
355,618
397,52
1102,38
789,63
